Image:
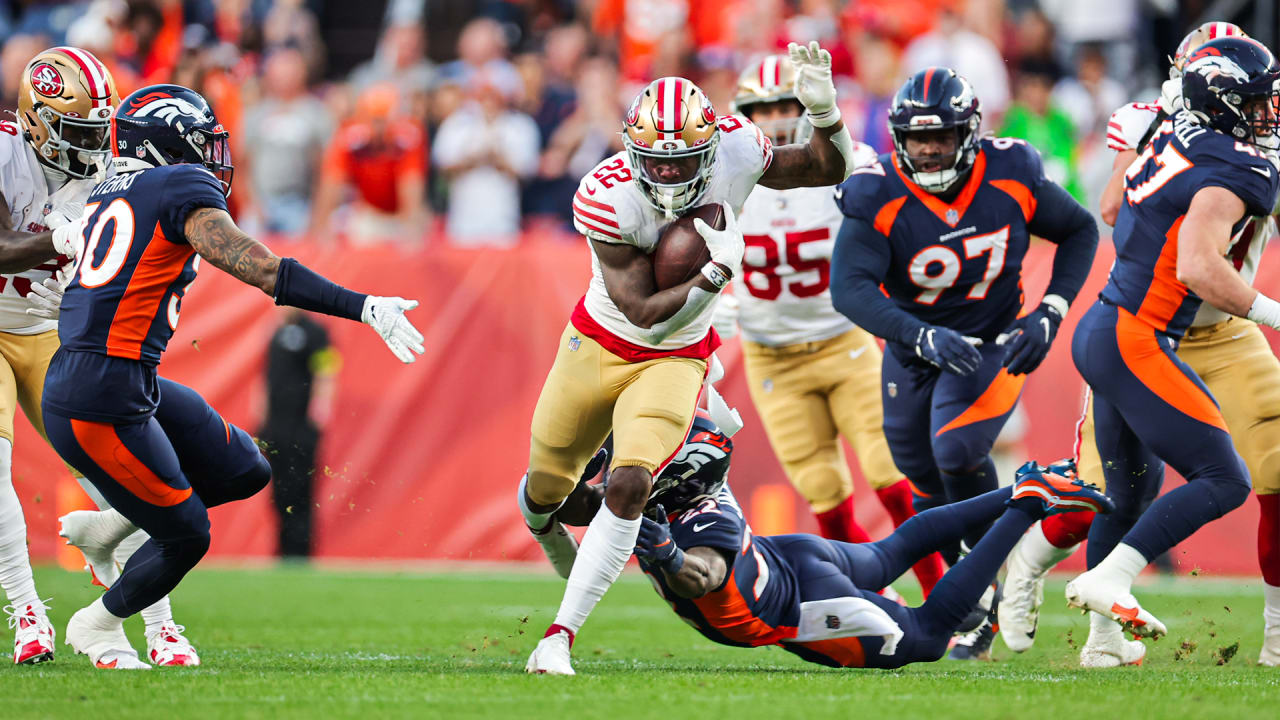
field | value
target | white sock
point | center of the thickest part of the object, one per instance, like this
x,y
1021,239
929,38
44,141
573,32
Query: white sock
x,y
1103,630
100,617
1123,564
1271,605
605,549
15,562
537,521
1040,554
159,613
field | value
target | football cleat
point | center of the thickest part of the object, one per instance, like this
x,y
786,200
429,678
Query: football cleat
x,y
107,649
1092,591
1270,647
976,644
551,656
1113,652
1058,490
167,647
560,546
1029,563
81,530
33,634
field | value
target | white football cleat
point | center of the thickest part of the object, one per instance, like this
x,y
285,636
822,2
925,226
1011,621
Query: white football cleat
x,y
33,634
1029,563
551,656
107,649
1114,652
1270,647
1090,591
560,546
167,647
81,529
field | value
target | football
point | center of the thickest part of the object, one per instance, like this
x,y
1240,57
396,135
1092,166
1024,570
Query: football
x,y
681,251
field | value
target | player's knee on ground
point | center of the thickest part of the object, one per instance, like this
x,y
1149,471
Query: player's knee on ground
x,y
820,480
957,454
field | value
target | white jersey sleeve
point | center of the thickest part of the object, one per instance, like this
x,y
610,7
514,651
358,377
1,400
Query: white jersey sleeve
x,y
1128,124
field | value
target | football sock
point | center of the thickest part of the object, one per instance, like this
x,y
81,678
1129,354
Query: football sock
x,y
839,523
897,500
1066,530
1177,514
1122,564
1271,605
1103,630
102,618
605,550
15,563
535,520
923,534
975,482
1039,552
159,613
1269,538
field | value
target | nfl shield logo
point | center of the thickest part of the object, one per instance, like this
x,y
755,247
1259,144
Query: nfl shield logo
x,y
953,217
574,344
893,389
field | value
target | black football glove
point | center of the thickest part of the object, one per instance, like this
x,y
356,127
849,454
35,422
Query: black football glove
x,y
949,350
1028,339
654,546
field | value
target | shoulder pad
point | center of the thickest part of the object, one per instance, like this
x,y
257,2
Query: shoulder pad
x,y
1128,124
869,187
605,204
1014,159
745,144
11,147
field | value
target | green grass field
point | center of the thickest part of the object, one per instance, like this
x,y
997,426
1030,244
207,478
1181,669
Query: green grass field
x,y
298,642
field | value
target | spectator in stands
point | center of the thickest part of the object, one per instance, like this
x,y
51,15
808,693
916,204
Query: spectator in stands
x,y
1090,96
482,57
953,45
97,31
382,155
400,60
1034,118
290,130
485,150
637,28
290,23
866,97
18,51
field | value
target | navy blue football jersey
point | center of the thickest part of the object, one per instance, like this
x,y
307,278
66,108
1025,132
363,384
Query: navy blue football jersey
x,y
1182,158
759,601
122,304
956,264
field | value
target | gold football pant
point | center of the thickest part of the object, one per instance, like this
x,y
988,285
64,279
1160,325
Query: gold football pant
x,y
1236,363
23,362
648,405
808,395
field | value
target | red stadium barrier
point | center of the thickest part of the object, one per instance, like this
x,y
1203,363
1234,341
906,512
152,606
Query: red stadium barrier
x,y
421,462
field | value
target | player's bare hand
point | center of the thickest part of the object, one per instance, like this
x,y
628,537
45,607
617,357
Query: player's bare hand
x,y
726,246
386,316
46,297
814,88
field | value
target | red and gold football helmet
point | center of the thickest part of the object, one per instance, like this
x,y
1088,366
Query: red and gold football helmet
x,y
65,102
770,80
1194,39
671,136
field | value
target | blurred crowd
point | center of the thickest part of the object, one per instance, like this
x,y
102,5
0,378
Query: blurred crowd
x,y
470,121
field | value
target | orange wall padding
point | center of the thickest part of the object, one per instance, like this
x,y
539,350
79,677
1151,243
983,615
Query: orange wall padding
x,y
422,461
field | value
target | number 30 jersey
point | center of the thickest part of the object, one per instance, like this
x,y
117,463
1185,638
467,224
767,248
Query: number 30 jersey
x,y
610,207
1182,158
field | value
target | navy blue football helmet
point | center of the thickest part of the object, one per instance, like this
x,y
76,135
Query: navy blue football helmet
x,y
1232,84
936,98
167,125
698,471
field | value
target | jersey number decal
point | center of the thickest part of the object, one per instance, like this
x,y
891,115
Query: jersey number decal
x,y
769,270
8,127
120,214
926,273
615,171
175,300
1169,163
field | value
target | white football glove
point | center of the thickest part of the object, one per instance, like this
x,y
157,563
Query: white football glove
x,y
68,238
725,317
386,316
726,246
1171,96
46,297
814,88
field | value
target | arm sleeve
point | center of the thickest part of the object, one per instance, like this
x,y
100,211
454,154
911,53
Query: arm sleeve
x,y
1063,221
719,529
859,263
187,188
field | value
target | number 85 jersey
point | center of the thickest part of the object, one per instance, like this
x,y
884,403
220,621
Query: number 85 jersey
x,y
127,287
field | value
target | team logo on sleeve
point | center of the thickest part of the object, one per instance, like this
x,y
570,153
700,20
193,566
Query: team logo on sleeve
x,y
46,80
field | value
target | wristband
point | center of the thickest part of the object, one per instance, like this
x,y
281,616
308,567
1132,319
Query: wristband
x,y
1265,311
716,275
303,288
672,565
1058,303
826,118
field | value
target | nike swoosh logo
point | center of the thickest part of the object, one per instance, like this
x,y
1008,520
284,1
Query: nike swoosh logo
x,y
853,354
1264,172
591,190
839,193
700,528
1045,323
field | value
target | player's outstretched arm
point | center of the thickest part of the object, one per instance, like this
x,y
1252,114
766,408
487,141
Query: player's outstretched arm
x,y
689,573
1113,193
214,235
20,251
1202,244
830,156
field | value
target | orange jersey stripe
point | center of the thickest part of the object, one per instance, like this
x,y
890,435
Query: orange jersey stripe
x,y
727,612
101,443
962,201
161,263
887,214
1019,192
996,400
1140,349
1166,293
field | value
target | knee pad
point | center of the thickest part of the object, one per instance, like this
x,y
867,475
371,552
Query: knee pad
x,y
955,454
821,481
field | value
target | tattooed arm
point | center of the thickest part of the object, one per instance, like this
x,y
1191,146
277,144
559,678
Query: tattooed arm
x,y
21,251
214,235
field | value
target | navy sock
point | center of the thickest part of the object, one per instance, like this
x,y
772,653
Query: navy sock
x,y
970,484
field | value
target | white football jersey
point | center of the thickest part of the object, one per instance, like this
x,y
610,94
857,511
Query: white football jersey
x,y
31,209
610,207
1124,131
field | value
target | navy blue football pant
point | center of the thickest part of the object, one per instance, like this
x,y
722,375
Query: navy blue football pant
x,y
1149,409
941,427
162,474
828,569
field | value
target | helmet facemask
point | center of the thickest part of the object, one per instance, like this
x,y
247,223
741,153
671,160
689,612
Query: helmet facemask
x,y
672,198
954,168
781,131
215,147
79,147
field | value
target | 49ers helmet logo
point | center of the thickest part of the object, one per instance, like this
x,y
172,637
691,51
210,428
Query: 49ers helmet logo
x,y
46,80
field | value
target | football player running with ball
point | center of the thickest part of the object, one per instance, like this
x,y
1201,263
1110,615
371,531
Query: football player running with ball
x,y
943,224
633,358
1237,365
153,448
813,375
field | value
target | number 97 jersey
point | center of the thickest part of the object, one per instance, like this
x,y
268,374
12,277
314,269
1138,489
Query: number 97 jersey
x,y
127,286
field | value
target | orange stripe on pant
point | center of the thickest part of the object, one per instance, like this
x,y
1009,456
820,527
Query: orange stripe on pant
x,y
998,399
1140,349
101,443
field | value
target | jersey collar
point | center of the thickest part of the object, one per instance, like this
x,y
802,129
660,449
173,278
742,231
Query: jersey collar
x,y
949,213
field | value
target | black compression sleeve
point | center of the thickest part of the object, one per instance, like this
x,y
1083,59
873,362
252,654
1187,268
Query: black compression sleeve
x,y
301,287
